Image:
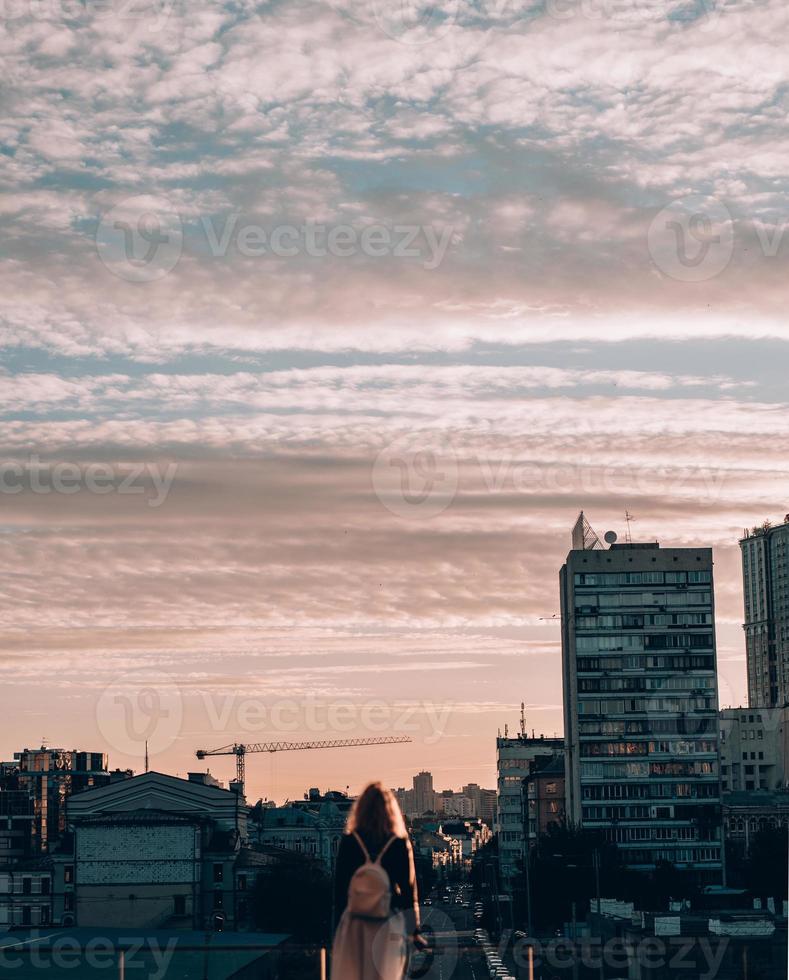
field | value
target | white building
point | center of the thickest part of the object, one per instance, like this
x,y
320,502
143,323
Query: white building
x,y
754,749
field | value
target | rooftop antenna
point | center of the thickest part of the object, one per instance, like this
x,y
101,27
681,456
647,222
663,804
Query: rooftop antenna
x,y
629,518
146,755
507,730
523,720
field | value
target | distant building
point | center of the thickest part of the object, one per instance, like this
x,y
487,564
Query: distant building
x,y
641,701
514,758
754,749
745,814
424,794
483,801
26,895
50,777
313,827
543,796
765,569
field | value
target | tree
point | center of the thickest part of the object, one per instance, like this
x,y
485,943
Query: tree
x,y
294,896
765,866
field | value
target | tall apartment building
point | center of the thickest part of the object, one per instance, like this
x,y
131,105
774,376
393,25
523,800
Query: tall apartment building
x,y
641,703
765,569
424,794
48,777
514,760
754,749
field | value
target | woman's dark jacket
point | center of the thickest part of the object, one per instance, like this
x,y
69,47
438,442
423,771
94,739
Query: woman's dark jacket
x,y
398,862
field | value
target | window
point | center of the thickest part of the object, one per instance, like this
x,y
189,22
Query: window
x,y
242,883
179,905
45,886
219,873
43,915
27,886
68,902
68,874
219,899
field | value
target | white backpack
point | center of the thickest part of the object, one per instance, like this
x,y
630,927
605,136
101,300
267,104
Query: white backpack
x,y
370,891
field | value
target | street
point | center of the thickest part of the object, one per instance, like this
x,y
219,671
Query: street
x,y
450,930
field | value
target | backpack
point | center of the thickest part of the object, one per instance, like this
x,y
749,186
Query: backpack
x,y
370,890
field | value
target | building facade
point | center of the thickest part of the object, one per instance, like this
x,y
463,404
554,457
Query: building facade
x,y
641,704
514,759
153,851
543,797
765,570
754,749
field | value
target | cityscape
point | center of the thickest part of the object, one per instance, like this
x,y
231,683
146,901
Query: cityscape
x,y
394,511
675,809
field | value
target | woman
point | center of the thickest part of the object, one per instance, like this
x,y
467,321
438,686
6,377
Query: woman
x,y
373,946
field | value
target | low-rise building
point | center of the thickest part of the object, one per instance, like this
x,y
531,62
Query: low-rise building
x,y
312,827
746,814
153,851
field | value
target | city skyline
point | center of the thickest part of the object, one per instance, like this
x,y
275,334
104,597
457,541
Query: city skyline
x,y
288,775
267,263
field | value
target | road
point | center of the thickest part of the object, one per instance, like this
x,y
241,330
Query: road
x,y
451,930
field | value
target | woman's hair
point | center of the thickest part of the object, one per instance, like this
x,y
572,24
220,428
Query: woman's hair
x,y
377,814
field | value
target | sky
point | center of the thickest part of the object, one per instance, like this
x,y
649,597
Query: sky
x,y
321,322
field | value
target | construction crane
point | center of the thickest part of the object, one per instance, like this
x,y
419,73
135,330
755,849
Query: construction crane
x,y
241,750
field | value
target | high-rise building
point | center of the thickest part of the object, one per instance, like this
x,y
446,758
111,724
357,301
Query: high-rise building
x,y
515,758
640,701
765,570
424,794
49,777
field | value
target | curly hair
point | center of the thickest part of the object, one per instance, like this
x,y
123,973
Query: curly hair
x,y
376,814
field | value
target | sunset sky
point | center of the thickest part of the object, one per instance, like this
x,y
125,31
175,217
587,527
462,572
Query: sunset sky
x,y
358,470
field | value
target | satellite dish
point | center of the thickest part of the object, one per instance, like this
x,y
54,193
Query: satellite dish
x,y
611,537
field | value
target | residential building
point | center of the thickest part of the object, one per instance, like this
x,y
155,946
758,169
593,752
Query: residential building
x,y
765,569
49,777
641,702
543,796
26,895
514,758
483,802
754,746
313,827
424,794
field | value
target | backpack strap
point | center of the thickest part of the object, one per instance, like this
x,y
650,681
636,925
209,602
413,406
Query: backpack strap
x,y
384,849
360,842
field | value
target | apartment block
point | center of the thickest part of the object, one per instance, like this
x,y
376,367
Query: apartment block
x,y
765,569
641,703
